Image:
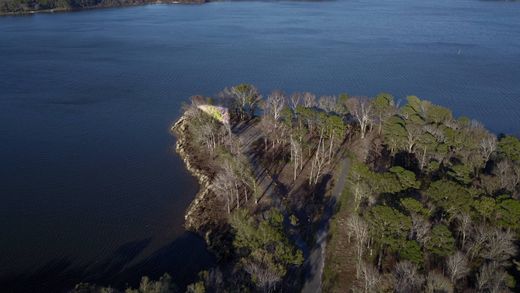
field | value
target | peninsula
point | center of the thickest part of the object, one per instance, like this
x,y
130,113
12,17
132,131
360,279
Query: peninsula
x,y
348,193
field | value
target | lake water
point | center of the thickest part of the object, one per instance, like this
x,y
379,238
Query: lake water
x,y
91,188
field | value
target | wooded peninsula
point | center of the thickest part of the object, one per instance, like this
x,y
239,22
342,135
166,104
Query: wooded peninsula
x,y
348,194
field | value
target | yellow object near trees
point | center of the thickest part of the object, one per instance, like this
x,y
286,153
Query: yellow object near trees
x,y
219,113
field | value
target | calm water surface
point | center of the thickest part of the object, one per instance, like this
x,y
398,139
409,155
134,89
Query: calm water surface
x,y
90,187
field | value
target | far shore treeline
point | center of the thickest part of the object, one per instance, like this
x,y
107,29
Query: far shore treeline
x,y
427,202
31,6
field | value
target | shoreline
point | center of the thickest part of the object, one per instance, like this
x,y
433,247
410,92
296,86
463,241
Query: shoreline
x,y
77,9
204,181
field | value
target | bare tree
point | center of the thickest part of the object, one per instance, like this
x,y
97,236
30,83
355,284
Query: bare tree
x,y
361,109
488,145
500,246
509,174
361,192
457,266
437,282
268,128
295,100
328,103
319,161
208,136
464,226
421,228
358,228
274,105
491,278
296,156
309,100
492,244
370,278
223,188
413,133
407,277
246,98
234,182
265,277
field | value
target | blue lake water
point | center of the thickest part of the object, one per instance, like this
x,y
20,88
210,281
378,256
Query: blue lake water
x,y
91,188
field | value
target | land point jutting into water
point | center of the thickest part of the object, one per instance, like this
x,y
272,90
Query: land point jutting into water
x,y
343,193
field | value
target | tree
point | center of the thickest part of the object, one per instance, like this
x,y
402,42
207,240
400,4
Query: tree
x,y
295,101
437,282
268,252
275,104
370,278
163,285
488,146
461,173
335,129
203,128
384,107
296,156
492,278
411,251
319,162
457,266
246,98
395,134
309,100
508,213
358,229
421,228
407,278
388,228
508,174
509,147
396,180
485,207
492,244
499,247
449,196
263,270
441,242
328,104
359,185
362,110
414,206
463,226
223,186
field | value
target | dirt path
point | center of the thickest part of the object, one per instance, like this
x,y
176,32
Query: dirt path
x,y
316,260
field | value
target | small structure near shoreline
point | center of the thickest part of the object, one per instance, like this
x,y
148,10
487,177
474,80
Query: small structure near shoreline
x,y
219,113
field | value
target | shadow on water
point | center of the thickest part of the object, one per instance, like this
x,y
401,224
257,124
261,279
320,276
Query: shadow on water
x,y
182,259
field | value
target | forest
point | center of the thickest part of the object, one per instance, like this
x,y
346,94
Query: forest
x,y
27,6
430,202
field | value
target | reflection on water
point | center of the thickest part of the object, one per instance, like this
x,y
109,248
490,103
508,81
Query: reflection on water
x,y
119,269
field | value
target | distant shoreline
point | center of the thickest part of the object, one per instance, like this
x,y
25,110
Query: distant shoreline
x,y
129,4
116,5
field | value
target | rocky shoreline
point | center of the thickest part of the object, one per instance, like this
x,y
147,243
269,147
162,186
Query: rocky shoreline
x,y
180,131
204,215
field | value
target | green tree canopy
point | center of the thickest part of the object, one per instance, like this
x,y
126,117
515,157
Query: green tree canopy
x,y
509,147
388,226
441,242
411,251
